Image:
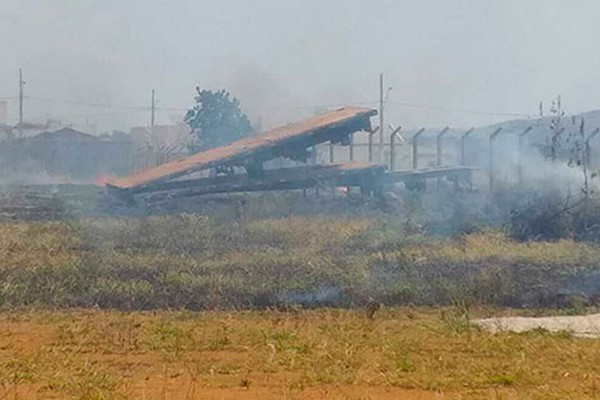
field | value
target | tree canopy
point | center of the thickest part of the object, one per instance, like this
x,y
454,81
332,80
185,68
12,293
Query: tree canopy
x,y
216,119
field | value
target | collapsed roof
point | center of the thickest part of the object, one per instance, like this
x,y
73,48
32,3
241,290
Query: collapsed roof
x,y
360,174
290,141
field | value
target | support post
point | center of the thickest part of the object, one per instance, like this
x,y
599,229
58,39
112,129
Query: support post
x,y
588,149
393,137
331,152
463,145
439,153
20,96
153,108
520,150
415,155
381,126
439,145
351,148
371,135
491,166
21,84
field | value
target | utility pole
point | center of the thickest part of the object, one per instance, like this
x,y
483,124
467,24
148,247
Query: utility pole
x,y
381,126
152,112
21,83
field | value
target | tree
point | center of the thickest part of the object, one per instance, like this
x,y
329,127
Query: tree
x,y
556,128
216,119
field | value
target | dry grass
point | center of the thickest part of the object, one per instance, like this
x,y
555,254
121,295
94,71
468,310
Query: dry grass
x,y
497,246
196,262
337,354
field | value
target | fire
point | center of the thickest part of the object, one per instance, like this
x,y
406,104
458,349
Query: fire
x,y
102,179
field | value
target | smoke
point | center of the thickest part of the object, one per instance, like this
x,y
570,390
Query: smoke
x,y
264,97
280,56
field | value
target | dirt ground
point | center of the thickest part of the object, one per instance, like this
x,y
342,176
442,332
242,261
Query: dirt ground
x,y
578,325
324,354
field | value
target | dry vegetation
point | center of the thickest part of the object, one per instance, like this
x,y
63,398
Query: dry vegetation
x,y
410,353
274,268
195,262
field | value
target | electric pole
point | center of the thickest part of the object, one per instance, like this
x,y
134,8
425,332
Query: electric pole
x,y
152,112
381,126
21,83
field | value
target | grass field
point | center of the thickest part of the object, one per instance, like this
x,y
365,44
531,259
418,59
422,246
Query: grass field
x,y
403,353
191,307
198,263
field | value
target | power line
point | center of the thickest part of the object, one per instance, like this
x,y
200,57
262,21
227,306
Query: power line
x,y
87,104
460,110
284,107
174,108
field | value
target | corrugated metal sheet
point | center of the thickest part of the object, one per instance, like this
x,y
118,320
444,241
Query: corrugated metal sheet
x,y
350,174
317,173
243,148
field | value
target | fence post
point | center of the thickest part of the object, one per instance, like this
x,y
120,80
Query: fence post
x,y
492,138
439,152
439,145
393,137
463,143
371,134
416,148
588,149
520,150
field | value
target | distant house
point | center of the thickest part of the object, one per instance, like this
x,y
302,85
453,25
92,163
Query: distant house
x,y
27,129
77,155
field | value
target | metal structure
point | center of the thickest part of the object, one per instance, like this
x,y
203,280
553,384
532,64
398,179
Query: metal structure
x,y
381,125
491,159
415,152
520,150
239,166
394,135
363,175
371,135
415,180
291,141
588,149
438,141
463,145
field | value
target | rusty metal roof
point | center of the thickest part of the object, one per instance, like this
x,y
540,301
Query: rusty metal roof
x,y
269,177
349,174
243,148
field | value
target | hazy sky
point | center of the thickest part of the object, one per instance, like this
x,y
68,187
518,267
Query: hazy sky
x,y
285,59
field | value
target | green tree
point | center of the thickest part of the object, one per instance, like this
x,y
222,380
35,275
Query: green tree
x,y
216,119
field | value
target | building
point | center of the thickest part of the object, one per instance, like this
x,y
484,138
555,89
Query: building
x,y
70,155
